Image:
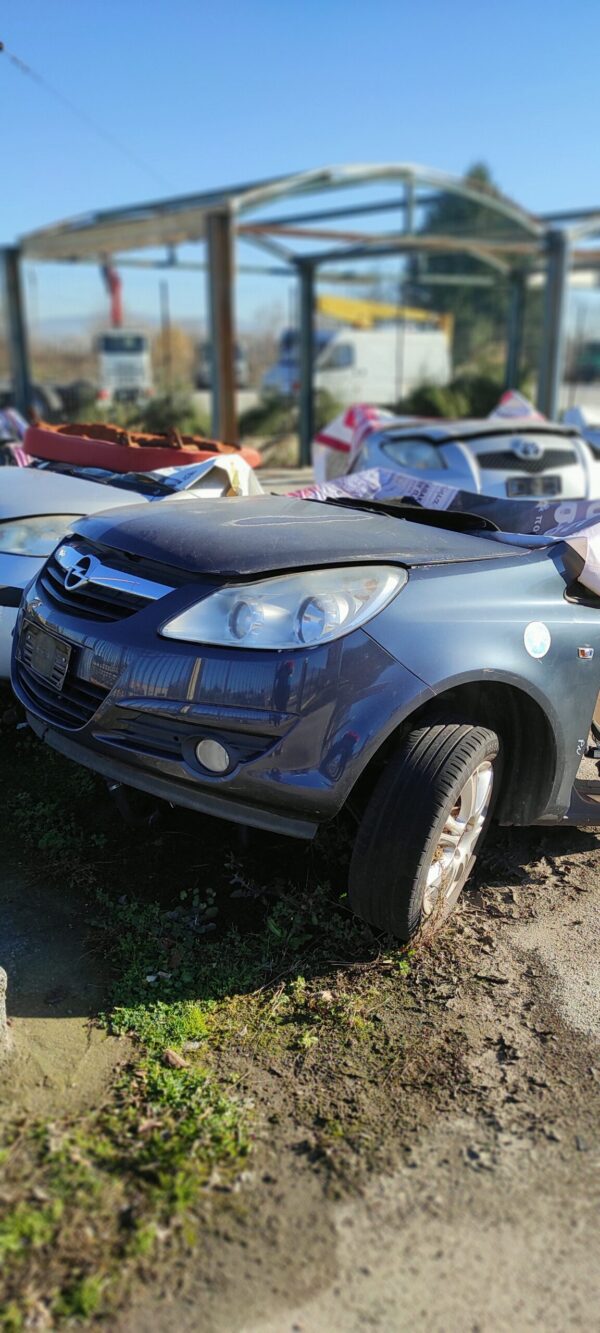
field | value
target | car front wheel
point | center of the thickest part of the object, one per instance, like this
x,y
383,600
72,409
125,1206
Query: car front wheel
x,y
423,825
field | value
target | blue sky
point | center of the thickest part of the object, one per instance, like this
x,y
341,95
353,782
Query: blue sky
x,y
206,94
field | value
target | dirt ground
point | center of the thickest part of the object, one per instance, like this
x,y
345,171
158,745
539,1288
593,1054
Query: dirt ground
x,y
467,1195
485,1217
62,1059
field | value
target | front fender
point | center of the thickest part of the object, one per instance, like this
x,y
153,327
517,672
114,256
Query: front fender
x,y
468,625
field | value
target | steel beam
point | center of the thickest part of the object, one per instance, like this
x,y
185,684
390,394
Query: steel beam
x,y
409,207
452,280
220,287
514,334
349,211
439,243
553,338
197,266
572,215
306,276
18,349
413,244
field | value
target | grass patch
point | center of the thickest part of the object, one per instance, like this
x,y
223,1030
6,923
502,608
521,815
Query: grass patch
x,y
220,967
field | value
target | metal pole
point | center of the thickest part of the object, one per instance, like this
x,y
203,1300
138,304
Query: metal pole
x,y
553,338
165,331
409,207
514,337
220,279
16,329
307,357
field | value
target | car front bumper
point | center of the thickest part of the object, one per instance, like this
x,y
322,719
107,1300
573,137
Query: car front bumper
x,y
191,796
300,728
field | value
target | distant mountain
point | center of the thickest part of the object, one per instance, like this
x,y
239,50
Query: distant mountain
x,y
60,328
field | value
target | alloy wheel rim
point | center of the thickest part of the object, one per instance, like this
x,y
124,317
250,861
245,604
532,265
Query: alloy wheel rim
x,y
454,854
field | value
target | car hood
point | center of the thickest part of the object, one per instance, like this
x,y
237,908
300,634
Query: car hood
x,y
27,491
268,533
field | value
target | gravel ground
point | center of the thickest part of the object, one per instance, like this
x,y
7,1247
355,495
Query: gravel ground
x,y
483,1211
567,943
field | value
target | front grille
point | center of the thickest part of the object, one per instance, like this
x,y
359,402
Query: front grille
x,y
152,735
506,461
72,707
92,601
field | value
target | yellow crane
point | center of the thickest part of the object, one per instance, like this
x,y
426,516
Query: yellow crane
x,y
362,314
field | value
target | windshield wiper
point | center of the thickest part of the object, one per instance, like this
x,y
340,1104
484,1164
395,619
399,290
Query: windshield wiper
x,y
454,520
127,481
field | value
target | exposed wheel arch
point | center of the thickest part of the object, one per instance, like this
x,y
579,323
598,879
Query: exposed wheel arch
x,y
525,732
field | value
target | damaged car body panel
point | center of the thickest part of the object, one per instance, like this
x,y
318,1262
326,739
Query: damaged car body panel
x,y
476,639
270,533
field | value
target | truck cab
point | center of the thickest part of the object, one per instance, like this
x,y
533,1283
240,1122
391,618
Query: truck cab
x,y
124,366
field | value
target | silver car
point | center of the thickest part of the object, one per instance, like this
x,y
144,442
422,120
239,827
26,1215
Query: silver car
x,y
38,505
515,459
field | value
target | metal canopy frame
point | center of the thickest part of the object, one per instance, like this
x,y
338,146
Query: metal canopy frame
x,y
512,243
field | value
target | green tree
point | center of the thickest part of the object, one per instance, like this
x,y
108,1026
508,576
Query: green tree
x,y
480,312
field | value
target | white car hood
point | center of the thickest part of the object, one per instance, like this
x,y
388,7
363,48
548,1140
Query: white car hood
x,y
25,491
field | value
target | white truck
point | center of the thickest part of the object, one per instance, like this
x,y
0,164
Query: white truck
x,y
376,365
124,366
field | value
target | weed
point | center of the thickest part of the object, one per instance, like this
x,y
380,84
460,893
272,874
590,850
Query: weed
x,y
161,1024
283,974
27,1227
81,1300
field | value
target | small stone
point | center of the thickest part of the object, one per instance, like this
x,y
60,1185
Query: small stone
x,y
173,1059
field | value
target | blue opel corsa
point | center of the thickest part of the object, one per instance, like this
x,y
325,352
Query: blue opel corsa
x,y
274,660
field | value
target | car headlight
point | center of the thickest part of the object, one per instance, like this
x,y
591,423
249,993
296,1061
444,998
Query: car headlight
x,y
290,611
413,453
33,536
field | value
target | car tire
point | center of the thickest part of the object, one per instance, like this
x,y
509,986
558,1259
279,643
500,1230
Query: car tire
x,y
412,824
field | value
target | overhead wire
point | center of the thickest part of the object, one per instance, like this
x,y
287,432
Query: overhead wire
x,y
109,138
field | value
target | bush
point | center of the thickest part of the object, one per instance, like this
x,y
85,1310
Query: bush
x,y
480,391
470,394
434,400
280,416
326,408
172,411
272,416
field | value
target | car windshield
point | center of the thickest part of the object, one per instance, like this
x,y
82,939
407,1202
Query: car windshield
x,y
122,342
140,482
408,451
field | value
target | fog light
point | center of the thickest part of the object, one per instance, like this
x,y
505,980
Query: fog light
x,y
213,756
